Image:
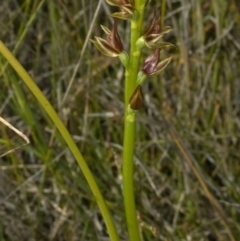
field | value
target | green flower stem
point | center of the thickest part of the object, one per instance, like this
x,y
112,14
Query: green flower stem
x,y
67,137
128,191
129,124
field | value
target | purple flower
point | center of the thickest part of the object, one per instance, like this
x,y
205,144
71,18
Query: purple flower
x,y
152,37
112,46
152,65
126,7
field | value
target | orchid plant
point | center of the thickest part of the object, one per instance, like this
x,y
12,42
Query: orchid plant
x,y
134,78
135,75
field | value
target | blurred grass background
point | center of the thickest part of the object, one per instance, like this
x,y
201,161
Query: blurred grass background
x,y
43,194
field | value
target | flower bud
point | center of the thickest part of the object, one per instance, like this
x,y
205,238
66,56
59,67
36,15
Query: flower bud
x,y
136,100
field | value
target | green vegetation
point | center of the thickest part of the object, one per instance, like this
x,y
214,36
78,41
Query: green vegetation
x,y
187,132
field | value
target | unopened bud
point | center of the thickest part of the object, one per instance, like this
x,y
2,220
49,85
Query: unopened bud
x,y
136,100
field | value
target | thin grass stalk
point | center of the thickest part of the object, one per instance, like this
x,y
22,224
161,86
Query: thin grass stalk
x,y
189,159
67,137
